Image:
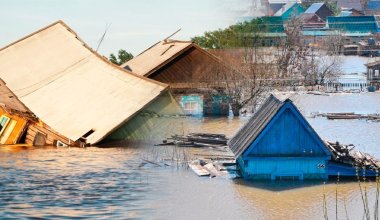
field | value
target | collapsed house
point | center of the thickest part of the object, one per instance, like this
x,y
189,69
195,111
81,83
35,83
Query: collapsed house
x,y
192,73
76,96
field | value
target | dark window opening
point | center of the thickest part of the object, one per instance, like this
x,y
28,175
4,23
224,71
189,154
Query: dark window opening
x,y
88,133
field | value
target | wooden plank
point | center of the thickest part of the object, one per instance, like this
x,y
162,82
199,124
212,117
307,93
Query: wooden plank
x,y
211,169
199,170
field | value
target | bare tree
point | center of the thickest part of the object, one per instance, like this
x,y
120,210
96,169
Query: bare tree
x,y
327,68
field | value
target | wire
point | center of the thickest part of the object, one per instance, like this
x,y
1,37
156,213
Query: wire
x,y
34,84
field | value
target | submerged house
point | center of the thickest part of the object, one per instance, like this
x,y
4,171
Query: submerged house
x,y
77,96
192,73
373,74
278,142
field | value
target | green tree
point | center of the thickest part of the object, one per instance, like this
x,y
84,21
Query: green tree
x,y
237,35
122,57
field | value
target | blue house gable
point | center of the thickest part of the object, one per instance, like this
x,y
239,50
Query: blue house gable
x,y
278,142
288,134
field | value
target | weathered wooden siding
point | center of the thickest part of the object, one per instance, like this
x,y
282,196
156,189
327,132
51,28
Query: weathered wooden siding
x,y
191,66
288,136
18,129
284,145
272,168
51,136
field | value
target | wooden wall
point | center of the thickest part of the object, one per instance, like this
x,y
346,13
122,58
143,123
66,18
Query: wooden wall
x,y
19,126
288,136
50,137
191,66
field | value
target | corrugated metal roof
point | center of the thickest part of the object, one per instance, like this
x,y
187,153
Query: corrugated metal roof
x,y
314,8
364,24
271,24
70,87
255,125
156,56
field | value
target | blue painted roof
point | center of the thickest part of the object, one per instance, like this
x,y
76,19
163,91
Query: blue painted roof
x,y
271,24
314,8
373,5
362,24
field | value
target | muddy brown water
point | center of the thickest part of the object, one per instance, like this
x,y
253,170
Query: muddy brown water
x,y
115,183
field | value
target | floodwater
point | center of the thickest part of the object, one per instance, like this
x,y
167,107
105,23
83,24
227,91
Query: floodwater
x,y
116,183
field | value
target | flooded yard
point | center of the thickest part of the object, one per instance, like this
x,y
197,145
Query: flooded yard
x,y
106,183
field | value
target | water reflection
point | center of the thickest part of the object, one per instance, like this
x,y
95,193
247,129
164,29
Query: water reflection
x,y
104,183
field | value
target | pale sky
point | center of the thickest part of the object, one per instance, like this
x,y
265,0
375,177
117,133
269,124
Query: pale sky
x,y
134,24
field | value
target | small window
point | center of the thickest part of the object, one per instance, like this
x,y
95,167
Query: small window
x,y
191,107
3,123
376,72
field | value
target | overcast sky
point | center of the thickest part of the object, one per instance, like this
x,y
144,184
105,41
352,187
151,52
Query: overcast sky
x,y
134,24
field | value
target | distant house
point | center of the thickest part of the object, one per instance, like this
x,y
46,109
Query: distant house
x,y
372,7
354,28
311,21
373,74
289,10
77,95
350,12
192,73
272,30
350,4
319,9
277,142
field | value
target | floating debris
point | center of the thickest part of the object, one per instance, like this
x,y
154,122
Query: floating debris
x,y
197,140
348,116
346,155
214,168
198,168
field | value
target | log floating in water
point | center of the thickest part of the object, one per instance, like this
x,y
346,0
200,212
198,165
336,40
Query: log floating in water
x,y
198,140
348,116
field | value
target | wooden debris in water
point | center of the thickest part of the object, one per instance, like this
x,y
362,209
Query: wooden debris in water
x,y
197,140
198,168
214,168
348,116
345,154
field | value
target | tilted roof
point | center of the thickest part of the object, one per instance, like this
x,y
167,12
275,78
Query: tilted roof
x,y
70,87
156,56
256,124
